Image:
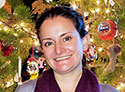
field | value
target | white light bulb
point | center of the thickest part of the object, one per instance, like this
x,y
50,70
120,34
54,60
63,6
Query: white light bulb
x,y
121,76
36,51
122,85
86,14
107,11
15,34
5,28
91,40
74,6
22,24
0,22
93,11
8,83
104,81
100,49
118,88
121,36
97,10
36,43
21,41
97,2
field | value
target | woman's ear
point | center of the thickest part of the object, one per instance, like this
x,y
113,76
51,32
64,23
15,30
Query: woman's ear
x,y
86,40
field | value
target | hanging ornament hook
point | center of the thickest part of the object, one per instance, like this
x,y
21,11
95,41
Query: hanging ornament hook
x,y
33,49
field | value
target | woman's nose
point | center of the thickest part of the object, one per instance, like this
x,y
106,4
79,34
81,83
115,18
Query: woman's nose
x,y
59,48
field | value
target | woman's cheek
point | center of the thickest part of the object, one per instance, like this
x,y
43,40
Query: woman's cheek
x,y
73,46
48,53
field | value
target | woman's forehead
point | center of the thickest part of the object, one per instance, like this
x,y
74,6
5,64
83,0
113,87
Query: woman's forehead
x,y
56,25
57,19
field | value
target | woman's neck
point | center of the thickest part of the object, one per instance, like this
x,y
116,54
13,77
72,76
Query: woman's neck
x,y
68,82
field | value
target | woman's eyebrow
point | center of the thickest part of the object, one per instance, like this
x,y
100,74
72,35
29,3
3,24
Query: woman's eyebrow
x,y
46,39
65,34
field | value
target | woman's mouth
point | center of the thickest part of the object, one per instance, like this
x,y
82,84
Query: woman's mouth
x,y
62,58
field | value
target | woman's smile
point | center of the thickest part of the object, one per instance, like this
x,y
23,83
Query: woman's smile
x,y
62,58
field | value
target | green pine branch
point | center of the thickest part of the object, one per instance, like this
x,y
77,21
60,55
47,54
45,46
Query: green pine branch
x,y
23,12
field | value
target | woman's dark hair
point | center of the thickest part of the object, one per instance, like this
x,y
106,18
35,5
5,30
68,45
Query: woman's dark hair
x,y
65,12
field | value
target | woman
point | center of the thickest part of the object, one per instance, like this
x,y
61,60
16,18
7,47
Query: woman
x,y
61,34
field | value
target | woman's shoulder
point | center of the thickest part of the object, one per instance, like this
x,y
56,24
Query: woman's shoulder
x,y
107,88
28,86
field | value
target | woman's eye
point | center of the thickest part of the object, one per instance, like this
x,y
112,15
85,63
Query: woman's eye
x,y
47,44
67,38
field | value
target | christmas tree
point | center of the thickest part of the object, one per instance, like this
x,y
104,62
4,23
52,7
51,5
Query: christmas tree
x,y
104,20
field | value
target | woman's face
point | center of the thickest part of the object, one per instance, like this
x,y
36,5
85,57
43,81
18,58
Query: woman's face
x,y
61,44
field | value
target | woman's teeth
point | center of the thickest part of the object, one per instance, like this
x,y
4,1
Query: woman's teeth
x,y
62,58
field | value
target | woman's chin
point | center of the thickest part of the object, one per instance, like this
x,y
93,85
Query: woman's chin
x,y
64,70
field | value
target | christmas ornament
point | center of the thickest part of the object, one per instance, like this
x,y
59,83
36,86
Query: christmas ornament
x,y
32,67
40,62
113,51
91,52
2,2
6,50
107,30
111,2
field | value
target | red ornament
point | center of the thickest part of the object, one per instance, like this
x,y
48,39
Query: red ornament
x,y
6,50
107,30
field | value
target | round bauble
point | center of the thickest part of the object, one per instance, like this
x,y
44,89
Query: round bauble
x,y
107,30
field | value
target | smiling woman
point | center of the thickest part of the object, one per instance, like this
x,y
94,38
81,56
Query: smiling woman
x,y
61,32
63,50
